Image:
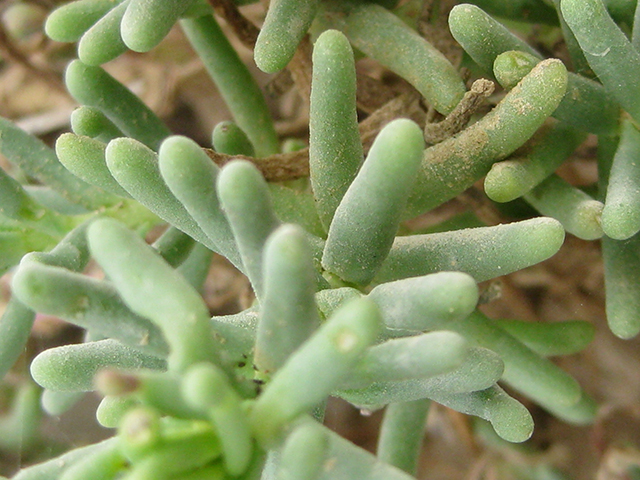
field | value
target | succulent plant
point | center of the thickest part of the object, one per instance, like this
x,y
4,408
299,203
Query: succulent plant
x,y
349,301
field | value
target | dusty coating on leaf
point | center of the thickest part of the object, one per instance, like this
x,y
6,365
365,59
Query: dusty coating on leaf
x,y
452,166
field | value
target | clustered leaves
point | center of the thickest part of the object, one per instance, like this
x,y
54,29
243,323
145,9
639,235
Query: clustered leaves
x,y
348,302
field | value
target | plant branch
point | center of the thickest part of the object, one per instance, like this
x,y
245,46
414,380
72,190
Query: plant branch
x,y
244,29
10,51
289,166
459,117
274,168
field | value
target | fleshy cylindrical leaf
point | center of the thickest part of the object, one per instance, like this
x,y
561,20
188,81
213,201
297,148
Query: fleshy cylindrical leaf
x,y
288,314
381,35
104,464
91,122
335,150
516,176
401,434
483,37
139,432
17,318
530,374
244,197
579,214
176,458
349,461
36,159
87,302
234,82
72,367
481,369
154,290
191,176
102,42
16,204
15,326
622,288
20,426
509,418
207,387
227,137
315,369
530,11
53,469
286,23
366,221
586,105
425,303
85,158
550,339
610,53
68,22
147,22
483,252
419,356
135,167
621,214
94,87
303,453
56,402
174,246
452,166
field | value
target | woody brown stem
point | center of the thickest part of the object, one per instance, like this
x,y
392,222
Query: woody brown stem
x,y
289,166
274,168
11,52
246,31
459,117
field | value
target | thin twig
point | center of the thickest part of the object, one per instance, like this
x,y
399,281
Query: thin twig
x,y
289,166
11,52
406,105
244,29
274,168
459,117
